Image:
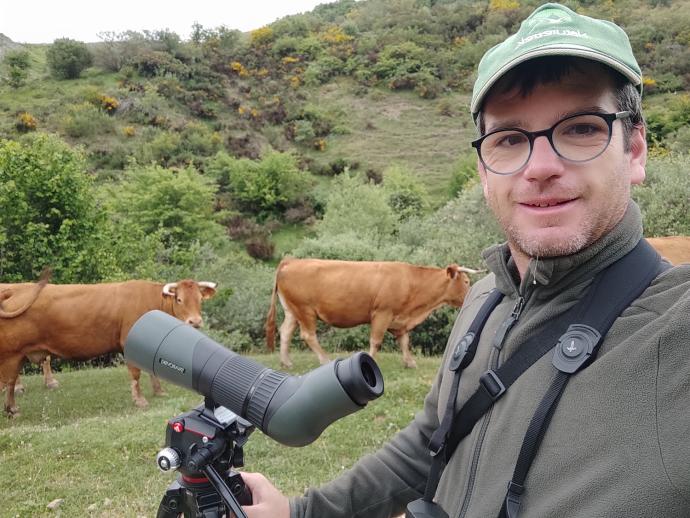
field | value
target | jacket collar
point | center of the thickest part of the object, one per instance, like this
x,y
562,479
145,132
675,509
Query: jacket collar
x,y
555,274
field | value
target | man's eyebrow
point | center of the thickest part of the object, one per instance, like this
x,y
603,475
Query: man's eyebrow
x,y
521,123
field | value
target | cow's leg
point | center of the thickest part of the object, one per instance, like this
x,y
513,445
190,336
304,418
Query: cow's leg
x,y
137,396
286,329
307,332
9,371
379,326
404,343
156,384
18,386
48,379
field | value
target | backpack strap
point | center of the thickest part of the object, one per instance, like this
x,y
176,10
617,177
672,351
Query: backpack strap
x,y
624,282
463,354
578,347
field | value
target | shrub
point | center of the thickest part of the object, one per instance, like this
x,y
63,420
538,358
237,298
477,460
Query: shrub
x,y
108,104
260,247
48,216
406,195
464,173
664,197
263,187
17,63
243,312
68,58
85,119
25,122
353,205
177,203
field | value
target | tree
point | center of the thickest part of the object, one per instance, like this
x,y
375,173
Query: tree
x,y
67,58
176,204
48,216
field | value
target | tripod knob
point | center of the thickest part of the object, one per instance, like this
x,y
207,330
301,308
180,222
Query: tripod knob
x,y
168,459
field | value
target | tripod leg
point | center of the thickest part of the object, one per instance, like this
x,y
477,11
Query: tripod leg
x,y
173,502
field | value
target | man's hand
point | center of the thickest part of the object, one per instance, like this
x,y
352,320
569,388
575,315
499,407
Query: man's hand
x,y
268,502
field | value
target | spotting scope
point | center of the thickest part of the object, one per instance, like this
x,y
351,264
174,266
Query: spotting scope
x,y
292,410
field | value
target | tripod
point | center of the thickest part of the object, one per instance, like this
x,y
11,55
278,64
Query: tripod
x,y
204,445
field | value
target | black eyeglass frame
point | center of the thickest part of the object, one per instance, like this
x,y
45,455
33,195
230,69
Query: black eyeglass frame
x,y
610,118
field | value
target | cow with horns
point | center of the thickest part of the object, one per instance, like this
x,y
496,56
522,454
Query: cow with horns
x,y
391,296
84,321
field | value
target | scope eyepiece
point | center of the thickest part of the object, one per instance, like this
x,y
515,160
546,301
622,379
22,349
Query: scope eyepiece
x,y
293,410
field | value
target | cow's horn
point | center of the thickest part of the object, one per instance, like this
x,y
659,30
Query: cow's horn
x,y
168,287
470,270
206,284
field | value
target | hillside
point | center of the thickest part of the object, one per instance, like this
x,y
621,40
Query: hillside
x,y
339,133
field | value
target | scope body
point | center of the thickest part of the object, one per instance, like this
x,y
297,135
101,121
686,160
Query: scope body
x,y
293,410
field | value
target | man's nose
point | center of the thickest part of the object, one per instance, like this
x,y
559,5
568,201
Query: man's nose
x,y
544,162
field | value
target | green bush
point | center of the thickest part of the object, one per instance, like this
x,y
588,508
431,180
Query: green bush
x,y
353,205
177,203
262,187
664,197
67,58
406,195
17,63
241,311
464,173
456,233
85,119
160,147
48,216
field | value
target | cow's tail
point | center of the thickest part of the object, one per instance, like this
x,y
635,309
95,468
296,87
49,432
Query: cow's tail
x,y
270,326
7,293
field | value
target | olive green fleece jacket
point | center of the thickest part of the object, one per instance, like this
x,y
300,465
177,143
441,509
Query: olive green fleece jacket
x,y
619,441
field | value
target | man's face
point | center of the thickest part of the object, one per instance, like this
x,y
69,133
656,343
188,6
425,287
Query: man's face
x,y
553,207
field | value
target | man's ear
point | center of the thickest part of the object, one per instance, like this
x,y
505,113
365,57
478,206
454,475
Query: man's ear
x,y
638,154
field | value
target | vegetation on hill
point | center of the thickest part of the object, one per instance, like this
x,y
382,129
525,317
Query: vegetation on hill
x,y
342,132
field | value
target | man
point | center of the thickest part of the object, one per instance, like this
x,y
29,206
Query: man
x,y
563,139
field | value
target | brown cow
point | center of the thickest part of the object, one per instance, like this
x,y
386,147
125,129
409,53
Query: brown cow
x,y
83,321
23,295
391,296
675,249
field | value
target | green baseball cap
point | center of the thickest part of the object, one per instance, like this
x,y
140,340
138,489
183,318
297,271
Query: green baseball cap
x,y
555,30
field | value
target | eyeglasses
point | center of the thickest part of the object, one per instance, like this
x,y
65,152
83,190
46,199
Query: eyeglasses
x,y
577,138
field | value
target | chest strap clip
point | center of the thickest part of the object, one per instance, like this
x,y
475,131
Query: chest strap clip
x,y
492,384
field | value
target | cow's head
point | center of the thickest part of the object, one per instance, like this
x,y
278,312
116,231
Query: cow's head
x,y
186,299
458,284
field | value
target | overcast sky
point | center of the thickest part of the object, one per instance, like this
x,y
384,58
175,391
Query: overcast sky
x,y
42,21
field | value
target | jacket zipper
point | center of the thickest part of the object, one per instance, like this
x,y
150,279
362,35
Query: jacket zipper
x,y
498,341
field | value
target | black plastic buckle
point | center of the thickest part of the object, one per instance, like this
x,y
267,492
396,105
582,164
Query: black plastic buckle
x,y
423,509
514,499
492,384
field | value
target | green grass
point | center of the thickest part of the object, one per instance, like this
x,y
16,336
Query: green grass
x,y
386,128
86,443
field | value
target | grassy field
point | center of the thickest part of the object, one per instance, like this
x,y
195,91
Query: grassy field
x,y
87,444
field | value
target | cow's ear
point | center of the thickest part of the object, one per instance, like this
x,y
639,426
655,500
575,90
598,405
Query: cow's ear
x,y
453,271
208,289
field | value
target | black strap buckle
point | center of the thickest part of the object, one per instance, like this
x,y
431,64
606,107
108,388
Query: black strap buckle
x,y
514,499
492,384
